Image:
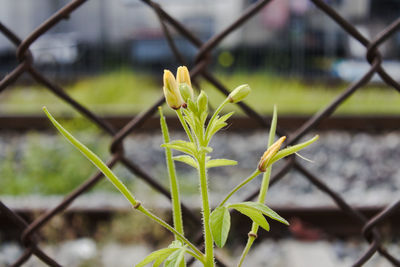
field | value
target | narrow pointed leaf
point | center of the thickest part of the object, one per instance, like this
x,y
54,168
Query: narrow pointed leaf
x,y
191,106
264,209
160,260
218,124
203,117
293,149
176,258
198,127
183,146
186,159
220,221
254,215
220,162
226,116
157,255
93,158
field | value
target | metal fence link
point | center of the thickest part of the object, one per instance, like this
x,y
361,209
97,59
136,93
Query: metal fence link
x,y
29,230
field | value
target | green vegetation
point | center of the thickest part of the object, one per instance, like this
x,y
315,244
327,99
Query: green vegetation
x,y
33,164
125,92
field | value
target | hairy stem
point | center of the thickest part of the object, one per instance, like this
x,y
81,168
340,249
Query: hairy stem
x,y
174,186
208,240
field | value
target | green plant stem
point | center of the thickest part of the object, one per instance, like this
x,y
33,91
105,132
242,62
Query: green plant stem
x,y
246,250
234,190
174,186
254,227
208,240
185,126
214,116
263,190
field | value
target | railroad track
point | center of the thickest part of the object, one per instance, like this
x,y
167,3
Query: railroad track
x,y
307,223
367,123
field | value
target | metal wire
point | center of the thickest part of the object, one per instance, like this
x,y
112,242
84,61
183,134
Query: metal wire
x,y
29,230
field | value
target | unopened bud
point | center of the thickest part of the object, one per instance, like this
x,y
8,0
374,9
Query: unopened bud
x,y
186,91
184,83
268,155
171,91
183,76
202,101
239,93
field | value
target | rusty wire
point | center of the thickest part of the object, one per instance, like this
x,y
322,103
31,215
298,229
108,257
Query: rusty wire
x,y
30,230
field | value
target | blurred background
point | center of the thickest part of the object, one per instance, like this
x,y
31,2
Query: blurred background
x,y
110,55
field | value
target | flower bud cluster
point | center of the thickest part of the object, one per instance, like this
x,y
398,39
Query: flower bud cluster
x,y
178,91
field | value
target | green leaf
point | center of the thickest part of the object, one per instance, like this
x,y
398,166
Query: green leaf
x,y
183,146
93,158
176,244
226,116
198,127
253,214
272,129
206,149
218,124
192,106
293,149
160,260
189,120
220,162
264,209
220,221
186,159
176,258
203,117
216,127
158,256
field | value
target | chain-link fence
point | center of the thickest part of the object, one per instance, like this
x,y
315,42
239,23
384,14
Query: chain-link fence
x,y
198,70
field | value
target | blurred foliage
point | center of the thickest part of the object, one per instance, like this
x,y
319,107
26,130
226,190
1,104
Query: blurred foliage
x,y
125,92
37,164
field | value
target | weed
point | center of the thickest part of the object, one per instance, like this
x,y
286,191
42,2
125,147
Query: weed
x,y
193,114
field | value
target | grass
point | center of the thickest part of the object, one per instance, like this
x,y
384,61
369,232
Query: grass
x,y
296,97
34,164
125,92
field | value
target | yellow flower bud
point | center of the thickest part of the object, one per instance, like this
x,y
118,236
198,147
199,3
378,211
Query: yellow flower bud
x,y
184,83
171,91
183,76
239,93
271,151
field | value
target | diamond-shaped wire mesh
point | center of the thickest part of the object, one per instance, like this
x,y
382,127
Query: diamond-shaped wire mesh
x,y
198,71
